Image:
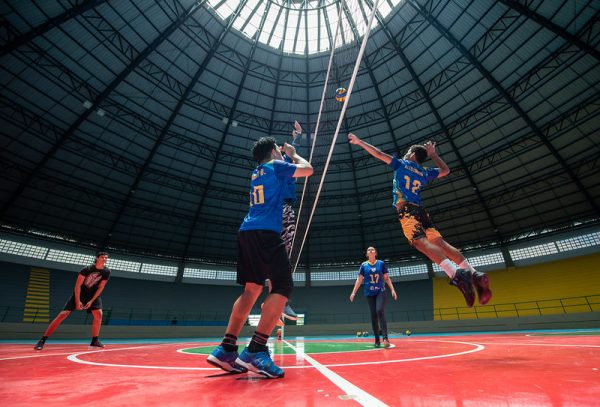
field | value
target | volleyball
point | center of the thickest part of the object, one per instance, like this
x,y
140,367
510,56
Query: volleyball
x,y
340,94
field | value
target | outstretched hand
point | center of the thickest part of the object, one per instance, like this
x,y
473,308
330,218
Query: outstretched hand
x,y
353,138
430,147
297,129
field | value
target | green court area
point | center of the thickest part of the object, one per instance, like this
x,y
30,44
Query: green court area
x,y
280,348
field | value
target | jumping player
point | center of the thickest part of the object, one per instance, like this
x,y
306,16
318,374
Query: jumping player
x,y
409,177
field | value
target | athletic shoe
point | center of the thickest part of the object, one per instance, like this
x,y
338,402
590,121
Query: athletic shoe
x,y
39,345
97,344
377,344
462,280
261,363
289,313
386,343
222,359
482,285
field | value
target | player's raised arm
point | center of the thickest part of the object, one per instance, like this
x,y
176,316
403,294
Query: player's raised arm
x,y
303,167
374,151
431,153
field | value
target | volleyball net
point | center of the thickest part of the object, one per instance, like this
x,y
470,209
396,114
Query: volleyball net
x,y
354,21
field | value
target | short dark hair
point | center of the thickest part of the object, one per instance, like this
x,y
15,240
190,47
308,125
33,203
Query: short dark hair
x,y
263,147
101,254
420,152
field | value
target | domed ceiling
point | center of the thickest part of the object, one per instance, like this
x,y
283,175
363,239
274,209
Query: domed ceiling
x,y
128,124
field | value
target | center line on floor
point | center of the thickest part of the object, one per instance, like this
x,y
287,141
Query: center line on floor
x,y
358,394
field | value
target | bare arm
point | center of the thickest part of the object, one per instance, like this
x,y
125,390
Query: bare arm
x,y
359,281
444,170
386,278
97,294
374,151
303,167
296,133
77,291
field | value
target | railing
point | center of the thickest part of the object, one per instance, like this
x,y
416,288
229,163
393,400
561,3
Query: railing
x,y
143,316
570,305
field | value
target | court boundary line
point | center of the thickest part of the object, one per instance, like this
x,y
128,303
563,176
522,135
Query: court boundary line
x,y
74,358
357,394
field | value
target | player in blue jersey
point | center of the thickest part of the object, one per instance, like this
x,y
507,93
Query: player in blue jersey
x,y
261,256
374,273
409,177
288,229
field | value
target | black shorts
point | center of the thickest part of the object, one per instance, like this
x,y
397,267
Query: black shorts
x,y
70,305
261,256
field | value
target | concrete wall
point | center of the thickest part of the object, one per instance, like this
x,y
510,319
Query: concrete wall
x,y
65,331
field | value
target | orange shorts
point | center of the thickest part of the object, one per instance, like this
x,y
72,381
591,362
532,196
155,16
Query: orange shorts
x,y
416,223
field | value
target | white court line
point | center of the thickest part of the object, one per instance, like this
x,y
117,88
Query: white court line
x,y
539,344
40,355
361,396
476,348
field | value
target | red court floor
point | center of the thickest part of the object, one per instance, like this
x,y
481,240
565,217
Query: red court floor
x,y
508,369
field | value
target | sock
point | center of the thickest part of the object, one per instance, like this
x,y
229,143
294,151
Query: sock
x,y
448,267
94,338
44,338
465,265
258,342
229,342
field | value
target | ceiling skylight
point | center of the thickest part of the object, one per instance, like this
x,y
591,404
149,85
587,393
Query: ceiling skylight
x,y
300,26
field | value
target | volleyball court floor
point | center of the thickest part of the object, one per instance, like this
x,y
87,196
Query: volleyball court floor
x,y
534,368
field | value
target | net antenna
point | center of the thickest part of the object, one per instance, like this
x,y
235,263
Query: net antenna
x,y
342,7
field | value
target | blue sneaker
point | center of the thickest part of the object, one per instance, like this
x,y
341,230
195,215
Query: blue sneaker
x,y
261,363
225,360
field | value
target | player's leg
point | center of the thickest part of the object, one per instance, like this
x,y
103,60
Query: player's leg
x,y
372,301
415,221
250,276
276,267
96,324
51,328
288,230
225,355
459,278
288,227
242,307
380,301
480,280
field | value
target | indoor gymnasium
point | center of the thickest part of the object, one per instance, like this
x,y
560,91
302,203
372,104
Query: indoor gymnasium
x,y
300,203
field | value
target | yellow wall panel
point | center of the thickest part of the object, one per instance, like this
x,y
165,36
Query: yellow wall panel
x,y
523,290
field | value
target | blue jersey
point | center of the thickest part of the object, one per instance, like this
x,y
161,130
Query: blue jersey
x,y
373,277
267,187
290,191
409,177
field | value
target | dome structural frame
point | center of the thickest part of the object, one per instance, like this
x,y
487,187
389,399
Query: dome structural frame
x,y
152,155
